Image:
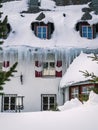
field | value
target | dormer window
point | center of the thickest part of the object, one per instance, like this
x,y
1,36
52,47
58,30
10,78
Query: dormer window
x,y
87,31
42,32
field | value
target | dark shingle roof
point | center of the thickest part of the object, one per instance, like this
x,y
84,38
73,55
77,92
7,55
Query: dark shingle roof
x,y
86,16
40,16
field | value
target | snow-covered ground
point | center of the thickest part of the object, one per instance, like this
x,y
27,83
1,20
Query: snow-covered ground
x,y
81,117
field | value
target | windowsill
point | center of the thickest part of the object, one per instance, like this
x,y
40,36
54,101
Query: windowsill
x,y
48,76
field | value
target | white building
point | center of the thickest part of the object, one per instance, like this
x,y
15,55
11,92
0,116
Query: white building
x,y
44,45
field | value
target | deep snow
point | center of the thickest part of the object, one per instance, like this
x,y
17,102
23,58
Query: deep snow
x,y
83,117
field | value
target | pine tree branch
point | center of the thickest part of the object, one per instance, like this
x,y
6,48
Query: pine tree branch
x,y
5,76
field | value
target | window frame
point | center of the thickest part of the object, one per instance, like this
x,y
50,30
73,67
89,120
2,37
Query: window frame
x,y
87,31
49,69
9,102
42,32
75,93
48,104
83,92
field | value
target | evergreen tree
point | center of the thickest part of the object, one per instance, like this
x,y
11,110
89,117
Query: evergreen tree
x,y
3,27
94,78
4,76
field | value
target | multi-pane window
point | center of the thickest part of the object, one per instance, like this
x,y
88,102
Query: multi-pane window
x,y
12,103
74,92
49,68
86,90
87,31
9,103
42,32
48,102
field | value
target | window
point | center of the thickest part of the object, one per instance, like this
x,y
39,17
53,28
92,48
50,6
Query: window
x,y
87,31
74,92
48,102
86,90
42,32
48,69
9,102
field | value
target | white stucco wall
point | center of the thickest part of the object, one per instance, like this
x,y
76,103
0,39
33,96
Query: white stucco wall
x,y
32,87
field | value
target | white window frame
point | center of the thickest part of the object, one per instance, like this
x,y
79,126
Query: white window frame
x,y
75,92
42,32
87,26
49,104
9,103
49,71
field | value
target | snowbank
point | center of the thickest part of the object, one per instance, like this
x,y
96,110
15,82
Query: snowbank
x,y
73,103
83,117
70,104
93,99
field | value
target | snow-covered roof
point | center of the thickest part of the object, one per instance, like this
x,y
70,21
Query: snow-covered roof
x,y
64,34
82,63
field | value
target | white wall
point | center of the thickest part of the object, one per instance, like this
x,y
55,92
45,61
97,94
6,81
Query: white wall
x,y
32,87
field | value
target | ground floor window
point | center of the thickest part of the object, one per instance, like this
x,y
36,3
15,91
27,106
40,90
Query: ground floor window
x,y
10,102
80,91
86,90
74,92
48,101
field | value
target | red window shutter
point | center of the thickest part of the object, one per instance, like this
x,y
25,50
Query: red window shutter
x,y
38,74
38,69
59,63
38,64
58,69
6,64
59,74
